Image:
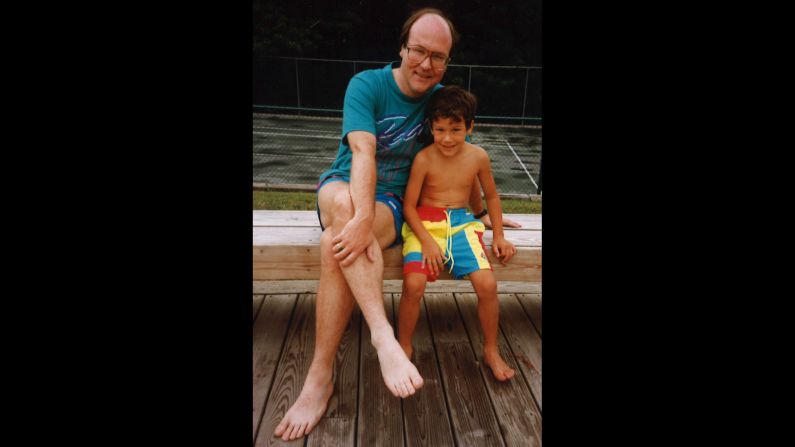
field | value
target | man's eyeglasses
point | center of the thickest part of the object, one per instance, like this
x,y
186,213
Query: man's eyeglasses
x,y
416,55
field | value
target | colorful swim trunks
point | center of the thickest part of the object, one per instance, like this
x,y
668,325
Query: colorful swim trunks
x,y
459,235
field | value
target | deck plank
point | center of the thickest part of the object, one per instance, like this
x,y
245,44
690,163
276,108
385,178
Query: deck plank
x,y
338,425
270,330
380,413
395,286
291,372
531,302
517,413
257,302
525,344
473,418
425,414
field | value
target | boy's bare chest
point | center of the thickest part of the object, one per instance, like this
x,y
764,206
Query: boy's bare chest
x,y
459,173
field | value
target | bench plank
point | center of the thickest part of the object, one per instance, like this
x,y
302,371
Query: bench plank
x,y
279,218
286,247
311,236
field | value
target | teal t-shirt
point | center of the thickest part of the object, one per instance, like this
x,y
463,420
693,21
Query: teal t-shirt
x,y
374,103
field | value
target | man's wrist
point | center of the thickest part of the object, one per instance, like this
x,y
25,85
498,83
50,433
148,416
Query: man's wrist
x,y
481,214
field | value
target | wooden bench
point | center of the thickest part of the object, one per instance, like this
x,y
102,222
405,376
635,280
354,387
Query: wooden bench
x,y
287,247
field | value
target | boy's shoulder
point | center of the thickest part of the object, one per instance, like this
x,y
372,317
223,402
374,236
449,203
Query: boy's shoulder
x,y
477,150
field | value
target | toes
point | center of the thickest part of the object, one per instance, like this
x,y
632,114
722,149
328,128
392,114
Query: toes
x,y
416,381
299,432
280,428
296,431
394,390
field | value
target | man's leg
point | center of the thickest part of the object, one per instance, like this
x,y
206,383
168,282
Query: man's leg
x,y
333,308
365,279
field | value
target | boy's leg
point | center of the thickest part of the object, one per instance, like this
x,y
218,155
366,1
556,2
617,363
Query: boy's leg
x,y
409,309
489,314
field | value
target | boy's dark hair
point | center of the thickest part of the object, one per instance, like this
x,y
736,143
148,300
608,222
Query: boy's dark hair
x,y
404,33
451,102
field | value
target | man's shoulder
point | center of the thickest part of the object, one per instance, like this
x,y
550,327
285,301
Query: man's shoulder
x,y
373,74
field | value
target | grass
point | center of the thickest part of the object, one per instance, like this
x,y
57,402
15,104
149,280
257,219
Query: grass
x,y
279,200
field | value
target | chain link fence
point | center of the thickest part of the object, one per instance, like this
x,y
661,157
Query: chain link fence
x,y
298,105
506,94
293,150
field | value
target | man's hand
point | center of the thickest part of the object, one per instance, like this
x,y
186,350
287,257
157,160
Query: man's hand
x,y
356,236
507,223
503,249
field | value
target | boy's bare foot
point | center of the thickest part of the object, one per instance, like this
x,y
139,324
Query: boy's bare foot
x,y
307,410
408,349
499,368
400,375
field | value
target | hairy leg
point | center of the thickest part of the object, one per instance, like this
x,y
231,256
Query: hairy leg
x,y
489,315
409,309
333,308
365,279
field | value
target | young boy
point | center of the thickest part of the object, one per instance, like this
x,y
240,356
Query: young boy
x,y
440,233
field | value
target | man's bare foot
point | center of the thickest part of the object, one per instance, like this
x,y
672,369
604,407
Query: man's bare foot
x,y
499,368
400,375
307,410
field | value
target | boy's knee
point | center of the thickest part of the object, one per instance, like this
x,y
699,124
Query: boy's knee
x,y
413,287
484,283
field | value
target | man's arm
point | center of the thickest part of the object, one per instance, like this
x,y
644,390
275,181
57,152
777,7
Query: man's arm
x,y
357,235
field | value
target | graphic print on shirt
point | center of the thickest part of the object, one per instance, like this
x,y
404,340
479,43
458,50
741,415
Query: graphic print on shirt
x,y
391,133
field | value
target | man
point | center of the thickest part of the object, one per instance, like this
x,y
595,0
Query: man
x,y
383,115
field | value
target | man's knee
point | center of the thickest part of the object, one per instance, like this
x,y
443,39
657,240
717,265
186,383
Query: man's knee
x,y
342,207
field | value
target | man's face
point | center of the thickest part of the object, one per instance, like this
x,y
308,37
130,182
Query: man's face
x,y
431,35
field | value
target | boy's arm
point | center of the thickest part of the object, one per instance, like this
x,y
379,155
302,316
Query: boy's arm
x,y
431,253
476,204
503,249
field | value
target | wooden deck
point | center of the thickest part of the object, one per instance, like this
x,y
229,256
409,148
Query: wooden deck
x,y
461,403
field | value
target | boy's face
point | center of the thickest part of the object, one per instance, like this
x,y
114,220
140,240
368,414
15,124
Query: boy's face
x,y
449,135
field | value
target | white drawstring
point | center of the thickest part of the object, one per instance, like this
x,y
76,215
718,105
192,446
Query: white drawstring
x,y
448,243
